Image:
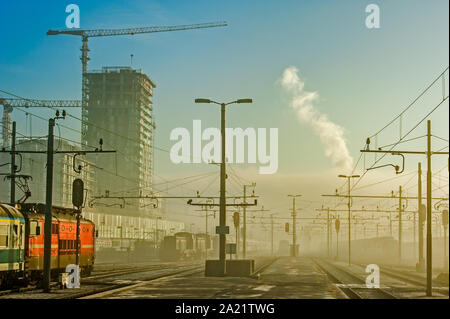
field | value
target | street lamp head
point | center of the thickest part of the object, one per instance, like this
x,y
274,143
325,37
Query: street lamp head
x,y
356,176
202,101
343,176
244,101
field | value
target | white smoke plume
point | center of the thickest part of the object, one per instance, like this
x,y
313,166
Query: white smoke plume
x,y
331,135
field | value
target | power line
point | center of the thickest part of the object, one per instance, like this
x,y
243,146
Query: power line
x,y
412,103
401,138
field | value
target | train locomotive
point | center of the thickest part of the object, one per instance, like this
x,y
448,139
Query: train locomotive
x,y
22,242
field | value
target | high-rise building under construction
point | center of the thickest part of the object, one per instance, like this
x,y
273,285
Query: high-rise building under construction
x,y
119,111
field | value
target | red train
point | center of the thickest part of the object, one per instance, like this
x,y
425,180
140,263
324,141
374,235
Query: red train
x,y
28,240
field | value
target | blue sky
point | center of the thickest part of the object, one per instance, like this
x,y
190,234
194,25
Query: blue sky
x,y
364,77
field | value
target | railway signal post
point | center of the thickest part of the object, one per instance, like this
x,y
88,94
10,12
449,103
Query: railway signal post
x,y
77,201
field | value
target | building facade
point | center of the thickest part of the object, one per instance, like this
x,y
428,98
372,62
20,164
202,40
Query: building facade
x,y
120,112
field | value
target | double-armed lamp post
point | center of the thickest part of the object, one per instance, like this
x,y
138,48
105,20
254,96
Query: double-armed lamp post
x,y
222,229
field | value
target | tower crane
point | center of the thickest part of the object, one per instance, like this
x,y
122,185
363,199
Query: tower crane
x,y
10,103
86,34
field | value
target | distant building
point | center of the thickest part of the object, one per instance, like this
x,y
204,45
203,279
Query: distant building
x,y
119,111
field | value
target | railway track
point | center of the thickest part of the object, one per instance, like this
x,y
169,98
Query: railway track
x,y
352,285
263,267
93,279
115,288
412,279
126,271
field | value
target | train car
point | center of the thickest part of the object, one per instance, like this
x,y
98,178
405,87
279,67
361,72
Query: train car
x,y
12,244
203,245
167,250
185,246
180,246
63,241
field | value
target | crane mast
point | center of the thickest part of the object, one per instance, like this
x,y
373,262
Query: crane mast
x,y
86,34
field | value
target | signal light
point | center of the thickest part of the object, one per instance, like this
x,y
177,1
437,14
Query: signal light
x,y
337,225
77,193
236,219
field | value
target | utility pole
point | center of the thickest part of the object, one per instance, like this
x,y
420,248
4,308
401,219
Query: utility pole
x,y
13,164
206,232
331,234
48,212
271,231
428,154
349,213
445,225
421,262
244,226
294,227
390,224
223,201
400,225
414,236
337,227
429,221
328,232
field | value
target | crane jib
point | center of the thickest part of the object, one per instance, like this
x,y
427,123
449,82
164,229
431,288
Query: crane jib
x,y
132,31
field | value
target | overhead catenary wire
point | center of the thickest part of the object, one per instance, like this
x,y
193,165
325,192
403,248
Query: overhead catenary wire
x,y
395,144
412,103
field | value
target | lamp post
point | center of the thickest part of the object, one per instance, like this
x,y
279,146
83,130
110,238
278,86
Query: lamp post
x,y
222,229
349,213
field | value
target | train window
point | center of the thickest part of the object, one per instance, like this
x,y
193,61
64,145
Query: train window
x,y
15,235
84,229
63,227
54,228
70,228
3,236
33,228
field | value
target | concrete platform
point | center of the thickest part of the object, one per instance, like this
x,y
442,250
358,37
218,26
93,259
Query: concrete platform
x,y
287,278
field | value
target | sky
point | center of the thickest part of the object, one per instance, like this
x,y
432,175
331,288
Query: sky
x,y
363,77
